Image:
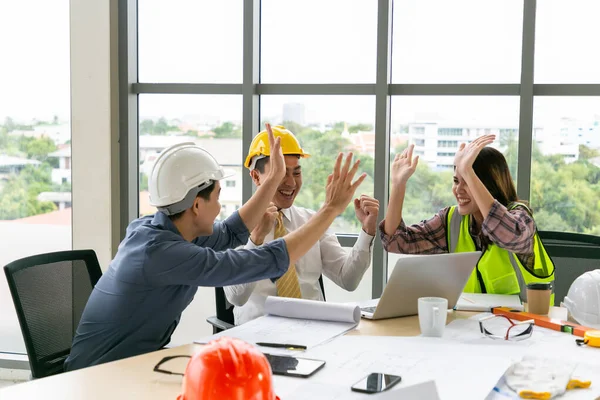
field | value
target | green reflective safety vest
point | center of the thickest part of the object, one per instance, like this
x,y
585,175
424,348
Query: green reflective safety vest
x,y
498,271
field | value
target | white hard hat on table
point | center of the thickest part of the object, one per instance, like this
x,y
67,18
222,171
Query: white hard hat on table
x,y
583,299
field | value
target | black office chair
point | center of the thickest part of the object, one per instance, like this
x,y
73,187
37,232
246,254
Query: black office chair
x,y
224,319
572,254
49,292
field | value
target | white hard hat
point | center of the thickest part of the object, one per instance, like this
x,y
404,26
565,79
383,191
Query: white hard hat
x,y
179,174
583,299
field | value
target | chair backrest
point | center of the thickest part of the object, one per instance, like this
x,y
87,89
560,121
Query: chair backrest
x,y
225,309
49,292
573,254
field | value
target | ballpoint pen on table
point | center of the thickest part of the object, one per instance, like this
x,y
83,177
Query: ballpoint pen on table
x,y
282,345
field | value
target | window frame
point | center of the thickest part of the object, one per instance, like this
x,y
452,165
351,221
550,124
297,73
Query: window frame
x,y
251,89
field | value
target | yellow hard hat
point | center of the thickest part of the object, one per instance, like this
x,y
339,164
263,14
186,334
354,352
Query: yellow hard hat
x,y
260,144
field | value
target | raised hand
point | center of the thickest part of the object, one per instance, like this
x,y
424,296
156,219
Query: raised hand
x,y
403,166
276,160
366,209
340,188
265,225
467,153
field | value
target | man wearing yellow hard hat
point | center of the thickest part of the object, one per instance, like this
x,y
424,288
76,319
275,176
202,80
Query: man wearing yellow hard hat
x,y
326,257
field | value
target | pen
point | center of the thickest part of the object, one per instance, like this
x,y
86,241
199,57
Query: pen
x,y
282,345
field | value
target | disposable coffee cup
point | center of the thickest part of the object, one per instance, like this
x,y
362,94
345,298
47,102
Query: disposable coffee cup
x,y
538,297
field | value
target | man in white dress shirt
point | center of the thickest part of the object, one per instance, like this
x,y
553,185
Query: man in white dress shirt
x,y
326,257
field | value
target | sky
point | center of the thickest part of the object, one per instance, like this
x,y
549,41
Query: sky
x,y
315,41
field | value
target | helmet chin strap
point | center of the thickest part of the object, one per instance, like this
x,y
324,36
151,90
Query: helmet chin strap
x,y
187,201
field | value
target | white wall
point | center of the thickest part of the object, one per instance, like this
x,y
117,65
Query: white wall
x,y
94,124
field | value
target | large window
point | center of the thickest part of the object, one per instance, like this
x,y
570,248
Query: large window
x,y
430,188
190,41
566,127
566,148
457,70
566,35
460,41
325,126
314,41
213,122
35,153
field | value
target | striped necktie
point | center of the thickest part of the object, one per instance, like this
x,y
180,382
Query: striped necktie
x,y
287,285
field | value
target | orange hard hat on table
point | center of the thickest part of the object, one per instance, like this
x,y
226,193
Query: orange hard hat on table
x,y
228,368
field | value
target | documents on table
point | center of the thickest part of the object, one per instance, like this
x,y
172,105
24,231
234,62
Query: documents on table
x,y
545,342
312,309
302,389
296,323
485,302
459,371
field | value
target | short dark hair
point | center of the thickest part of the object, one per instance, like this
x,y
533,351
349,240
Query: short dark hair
x,y
260,163
204,194
207,191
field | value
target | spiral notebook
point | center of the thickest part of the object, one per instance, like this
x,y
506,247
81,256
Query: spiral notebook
x,y
485,302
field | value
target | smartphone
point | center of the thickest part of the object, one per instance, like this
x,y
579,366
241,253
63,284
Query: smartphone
x,y
375,382
293,366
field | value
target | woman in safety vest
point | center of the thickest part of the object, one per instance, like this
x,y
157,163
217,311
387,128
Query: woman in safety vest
x,y
488,217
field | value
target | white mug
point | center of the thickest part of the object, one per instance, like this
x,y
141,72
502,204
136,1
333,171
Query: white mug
x,y
432,315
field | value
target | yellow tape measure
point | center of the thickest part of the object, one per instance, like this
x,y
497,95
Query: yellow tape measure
x,y
590,338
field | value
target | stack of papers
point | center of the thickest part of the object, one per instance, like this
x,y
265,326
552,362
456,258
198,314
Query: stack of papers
x,y
485,302
295,322
430,368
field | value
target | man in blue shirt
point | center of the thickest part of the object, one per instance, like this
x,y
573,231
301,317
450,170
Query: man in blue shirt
x,y
137,304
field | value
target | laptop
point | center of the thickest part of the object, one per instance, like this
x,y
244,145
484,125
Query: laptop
x,y
439,275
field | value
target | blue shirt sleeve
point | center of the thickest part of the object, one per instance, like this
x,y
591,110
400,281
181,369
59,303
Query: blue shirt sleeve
x,y
226,234
179,262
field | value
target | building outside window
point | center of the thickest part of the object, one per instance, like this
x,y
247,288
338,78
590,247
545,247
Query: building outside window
x,y
450,131
35,135
447,143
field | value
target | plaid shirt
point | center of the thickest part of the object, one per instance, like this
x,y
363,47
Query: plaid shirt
x,y
510,230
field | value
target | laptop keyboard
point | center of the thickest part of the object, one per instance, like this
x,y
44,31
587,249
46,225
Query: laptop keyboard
x,y
369,309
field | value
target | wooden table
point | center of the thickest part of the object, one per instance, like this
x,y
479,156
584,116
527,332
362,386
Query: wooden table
x,y
133,378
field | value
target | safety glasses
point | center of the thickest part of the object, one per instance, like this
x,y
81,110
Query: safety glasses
x,y
157,367
503,328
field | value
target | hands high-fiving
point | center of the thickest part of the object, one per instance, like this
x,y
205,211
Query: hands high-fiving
x,y
404,166
265,225
340,188
367,209
276,160
467,153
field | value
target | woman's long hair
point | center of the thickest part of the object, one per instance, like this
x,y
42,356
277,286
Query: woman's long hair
x,y
492,169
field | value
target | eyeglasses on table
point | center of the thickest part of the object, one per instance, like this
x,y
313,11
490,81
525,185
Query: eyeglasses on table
x,y
503,328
